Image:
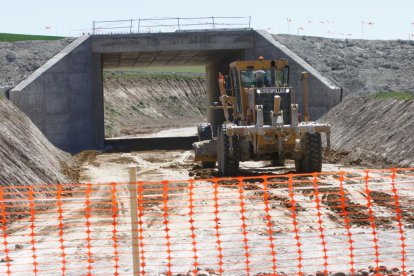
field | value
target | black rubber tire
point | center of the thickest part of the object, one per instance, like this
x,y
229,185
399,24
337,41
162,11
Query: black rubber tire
x,y
227,160
278,162
205,132
311,160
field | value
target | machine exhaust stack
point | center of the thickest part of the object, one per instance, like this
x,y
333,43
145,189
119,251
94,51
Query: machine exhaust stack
x,y
304,79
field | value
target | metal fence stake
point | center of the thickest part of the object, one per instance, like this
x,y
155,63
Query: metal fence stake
x,y
134,219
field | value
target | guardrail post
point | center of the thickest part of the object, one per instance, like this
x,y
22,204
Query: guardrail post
x,y
134,219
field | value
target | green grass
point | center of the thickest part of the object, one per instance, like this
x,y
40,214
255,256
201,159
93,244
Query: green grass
x,y
394,95
128,75
162,69
4,37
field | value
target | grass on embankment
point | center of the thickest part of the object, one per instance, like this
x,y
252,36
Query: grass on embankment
x,y
394,95
5,37
156,73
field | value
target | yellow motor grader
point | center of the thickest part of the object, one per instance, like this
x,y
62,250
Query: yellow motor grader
x,y
261,121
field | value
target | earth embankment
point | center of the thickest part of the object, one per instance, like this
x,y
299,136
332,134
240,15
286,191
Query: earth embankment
x,y
366,130
136,104
358,66
19,59
26,156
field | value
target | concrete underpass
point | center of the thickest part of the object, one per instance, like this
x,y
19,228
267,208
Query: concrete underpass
x,y
64,97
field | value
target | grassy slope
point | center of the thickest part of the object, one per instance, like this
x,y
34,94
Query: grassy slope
x,y
162,69
4,37
403,96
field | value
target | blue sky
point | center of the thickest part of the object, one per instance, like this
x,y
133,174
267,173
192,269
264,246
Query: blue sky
x,y
341,18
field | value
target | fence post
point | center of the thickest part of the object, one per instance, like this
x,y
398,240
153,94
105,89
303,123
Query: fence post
x,y
178,20
130,27
93,27
214,24
134,219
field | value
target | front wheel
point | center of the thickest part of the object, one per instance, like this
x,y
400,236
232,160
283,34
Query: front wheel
x,y
228,153
205,132
311,160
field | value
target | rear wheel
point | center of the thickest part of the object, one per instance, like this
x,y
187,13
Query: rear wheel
x,y
311,160
227,155
205,132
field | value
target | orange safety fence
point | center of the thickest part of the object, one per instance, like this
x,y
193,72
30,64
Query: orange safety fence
x,y
258,225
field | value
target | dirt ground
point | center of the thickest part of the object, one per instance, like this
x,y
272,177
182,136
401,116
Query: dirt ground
x,y
19,59
358,66
178,165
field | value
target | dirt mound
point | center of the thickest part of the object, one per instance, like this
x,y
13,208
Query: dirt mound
x,y
358,66
27,157
374,131
136,104
19,59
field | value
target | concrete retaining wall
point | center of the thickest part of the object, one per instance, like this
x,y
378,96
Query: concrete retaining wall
x,y
4,91
64,98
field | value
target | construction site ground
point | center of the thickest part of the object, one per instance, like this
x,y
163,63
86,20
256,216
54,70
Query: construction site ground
x,y
179,165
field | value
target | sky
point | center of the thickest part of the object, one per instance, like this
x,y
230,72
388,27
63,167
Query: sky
x,y
370,19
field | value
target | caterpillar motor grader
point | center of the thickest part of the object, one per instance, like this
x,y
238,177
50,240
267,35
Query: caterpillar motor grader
x,y
261,121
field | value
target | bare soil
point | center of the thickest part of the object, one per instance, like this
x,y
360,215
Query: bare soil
x,y
358,66
372,132
27,157
19,59
145,104
176,165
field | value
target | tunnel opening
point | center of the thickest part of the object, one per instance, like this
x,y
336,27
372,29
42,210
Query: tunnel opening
x,y
155,100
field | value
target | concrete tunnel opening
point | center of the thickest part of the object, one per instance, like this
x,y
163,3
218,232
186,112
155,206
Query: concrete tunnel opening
x,y
211,62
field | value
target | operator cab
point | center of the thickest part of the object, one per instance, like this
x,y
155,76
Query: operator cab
x,y
256,83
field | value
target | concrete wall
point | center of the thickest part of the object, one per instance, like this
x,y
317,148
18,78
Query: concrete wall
x,y
177,41
4,91
64,98
323,94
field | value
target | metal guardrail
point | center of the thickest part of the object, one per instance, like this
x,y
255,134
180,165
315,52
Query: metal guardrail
x,y
169,24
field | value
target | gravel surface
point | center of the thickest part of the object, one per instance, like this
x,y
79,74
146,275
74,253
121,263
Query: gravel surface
x,y
358,66
19,59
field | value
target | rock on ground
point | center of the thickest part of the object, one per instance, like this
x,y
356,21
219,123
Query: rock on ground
x,y
358,66
375,131
19,59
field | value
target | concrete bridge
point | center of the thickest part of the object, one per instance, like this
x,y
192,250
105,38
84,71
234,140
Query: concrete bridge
x,y
64,97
